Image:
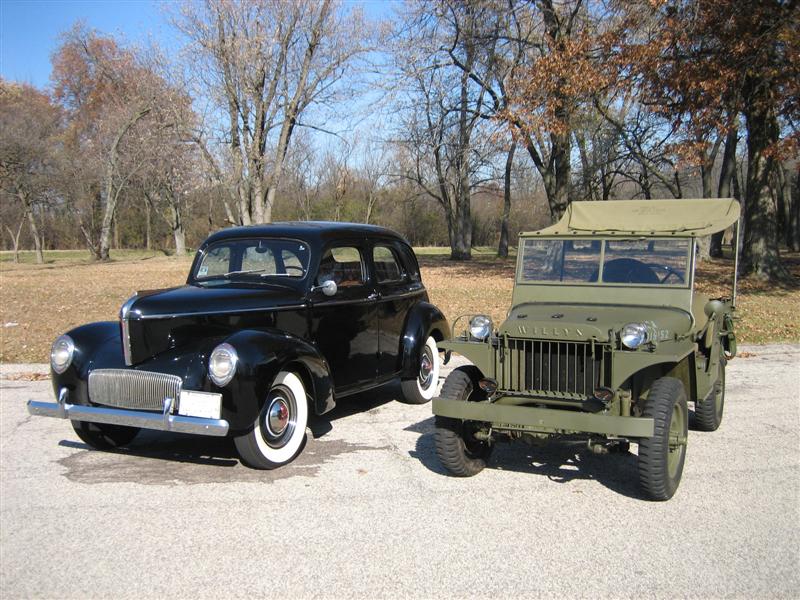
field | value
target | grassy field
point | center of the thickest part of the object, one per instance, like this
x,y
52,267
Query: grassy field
x,y
37,302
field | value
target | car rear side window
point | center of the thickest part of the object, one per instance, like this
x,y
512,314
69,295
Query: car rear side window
x,y
342,264
387,269
410,262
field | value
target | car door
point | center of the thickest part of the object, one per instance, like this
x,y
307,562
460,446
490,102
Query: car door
x,y
398,290
345,326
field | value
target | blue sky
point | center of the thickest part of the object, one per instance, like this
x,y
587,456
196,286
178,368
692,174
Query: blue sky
x,y
30,29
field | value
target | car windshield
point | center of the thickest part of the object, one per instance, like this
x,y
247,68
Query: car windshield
x,y
253,259
641,262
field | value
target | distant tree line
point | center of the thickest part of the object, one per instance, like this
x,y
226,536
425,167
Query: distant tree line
x,y
454,122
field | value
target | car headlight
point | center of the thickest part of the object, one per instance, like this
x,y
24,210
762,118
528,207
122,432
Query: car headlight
x,y
222,364
480,327
61,353
634,335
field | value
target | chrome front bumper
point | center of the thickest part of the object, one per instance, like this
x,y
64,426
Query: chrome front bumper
x,y
164,421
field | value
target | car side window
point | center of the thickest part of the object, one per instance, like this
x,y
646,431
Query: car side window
x,y
344,265
387,268
410,261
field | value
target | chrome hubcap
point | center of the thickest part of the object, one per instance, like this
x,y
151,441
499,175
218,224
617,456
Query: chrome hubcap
x,y
278,418
426,369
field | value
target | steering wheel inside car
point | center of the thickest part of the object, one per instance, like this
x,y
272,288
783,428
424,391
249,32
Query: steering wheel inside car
x,y
670,272
628,270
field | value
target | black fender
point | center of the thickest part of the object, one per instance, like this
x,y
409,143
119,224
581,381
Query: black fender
x,y
262,355
94,341
422,321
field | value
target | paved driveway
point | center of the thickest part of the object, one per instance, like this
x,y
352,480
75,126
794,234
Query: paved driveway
x,y
366,511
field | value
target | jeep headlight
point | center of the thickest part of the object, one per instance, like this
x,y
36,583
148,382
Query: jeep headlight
x,y
222,364
634,335
61,353
480,327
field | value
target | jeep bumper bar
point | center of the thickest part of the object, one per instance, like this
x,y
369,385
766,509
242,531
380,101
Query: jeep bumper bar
x,y
543,420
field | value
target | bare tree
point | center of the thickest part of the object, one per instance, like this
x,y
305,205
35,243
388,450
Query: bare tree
x,y
29,125
266,63
442,123
107,93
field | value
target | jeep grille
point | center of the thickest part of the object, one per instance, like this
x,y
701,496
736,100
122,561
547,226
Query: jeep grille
x,y
138,390
569,370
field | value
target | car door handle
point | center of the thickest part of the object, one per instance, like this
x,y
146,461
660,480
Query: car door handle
x,y
374,296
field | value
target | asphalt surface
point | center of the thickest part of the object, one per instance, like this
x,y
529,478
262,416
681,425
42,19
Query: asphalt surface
x,y
366,511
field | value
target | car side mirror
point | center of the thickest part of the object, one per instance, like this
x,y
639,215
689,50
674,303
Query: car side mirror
x,y
329,288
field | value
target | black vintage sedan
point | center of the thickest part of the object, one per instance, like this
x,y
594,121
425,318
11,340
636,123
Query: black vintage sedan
x,y
274,322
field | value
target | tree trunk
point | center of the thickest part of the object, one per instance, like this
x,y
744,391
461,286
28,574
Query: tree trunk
x,y
15,237
148,231
783,194
180,241
115,223
37,241
794,213
727,172
760,256
111,191
175,214
502,248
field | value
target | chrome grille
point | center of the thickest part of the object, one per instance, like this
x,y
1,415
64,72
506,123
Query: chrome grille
x,y
560,369
142,390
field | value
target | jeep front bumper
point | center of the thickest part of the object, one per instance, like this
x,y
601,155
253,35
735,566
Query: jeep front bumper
x,y
543,420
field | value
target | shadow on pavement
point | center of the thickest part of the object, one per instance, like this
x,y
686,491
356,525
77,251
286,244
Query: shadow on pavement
x,y
561,461
173,458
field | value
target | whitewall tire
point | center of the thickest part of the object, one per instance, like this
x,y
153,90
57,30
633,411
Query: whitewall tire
x,y
423,388
279,430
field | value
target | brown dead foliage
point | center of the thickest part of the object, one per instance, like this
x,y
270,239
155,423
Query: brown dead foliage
x,y
38,302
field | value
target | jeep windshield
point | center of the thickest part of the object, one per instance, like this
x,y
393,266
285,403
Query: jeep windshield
x,y
252,260
637,262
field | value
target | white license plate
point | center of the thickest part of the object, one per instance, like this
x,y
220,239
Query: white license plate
x,y
200,404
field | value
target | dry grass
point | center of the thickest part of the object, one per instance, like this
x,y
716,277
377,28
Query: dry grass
x,y
37,302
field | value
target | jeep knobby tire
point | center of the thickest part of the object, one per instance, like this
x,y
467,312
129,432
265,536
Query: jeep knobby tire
x,y
458,451
662,456
708,412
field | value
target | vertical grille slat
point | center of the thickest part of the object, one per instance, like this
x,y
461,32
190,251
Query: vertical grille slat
x,y
562,368
137,390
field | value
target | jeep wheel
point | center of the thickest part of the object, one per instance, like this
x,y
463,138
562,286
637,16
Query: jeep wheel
x,y
102,436
457,449
661,457
708,412
279,429
421,389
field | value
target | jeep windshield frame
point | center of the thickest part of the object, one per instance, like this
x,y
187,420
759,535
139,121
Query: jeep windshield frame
x,y
608,293
635,261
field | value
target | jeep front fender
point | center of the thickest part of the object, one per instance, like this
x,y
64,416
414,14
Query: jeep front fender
x,y
480,354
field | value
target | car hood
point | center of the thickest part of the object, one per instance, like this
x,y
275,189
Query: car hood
x,y
190,300
589,321
157,321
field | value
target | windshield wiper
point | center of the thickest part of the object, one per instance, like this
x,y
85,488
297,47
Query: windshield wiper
x,y
245,272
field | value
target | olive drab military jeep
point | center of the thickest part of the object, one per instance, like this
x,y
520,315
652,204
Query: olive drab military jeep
x,y
606,338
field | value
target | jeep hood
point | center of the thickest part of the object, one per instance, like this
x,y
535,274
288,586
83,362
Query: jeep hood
x,y
576,322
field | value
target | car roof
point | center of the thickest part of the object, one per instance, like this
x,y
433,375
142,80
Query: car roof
x,y
310,231
679,218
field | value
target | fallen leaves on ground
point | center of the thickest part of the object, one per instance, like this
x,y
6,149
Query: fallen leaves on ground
x,y
42,301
